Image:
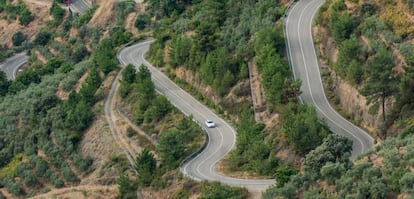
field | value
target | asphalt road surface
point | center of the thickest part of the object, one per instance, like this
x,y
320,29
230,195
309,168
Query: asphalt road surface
x,y
79,6
11,65
305,66
221,139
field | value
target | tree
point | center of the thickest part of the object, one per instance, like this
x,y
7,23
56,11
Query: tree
x,y
129,74
79,118
282,175
303,129
381,83
104,55
42,38
142,21
407,182
335,148
18,38
4,83
25,17
57,12
124,186
171,148
215,190
145,166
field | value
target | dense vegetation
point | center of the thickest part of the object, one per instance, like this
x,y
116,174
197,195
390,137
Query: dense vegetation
x,y
39,132
371,38
217,40
177,140
384,172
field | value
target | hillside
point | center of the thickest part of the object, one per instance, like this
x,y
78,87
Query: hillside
x,y
369,33
59,137
366,48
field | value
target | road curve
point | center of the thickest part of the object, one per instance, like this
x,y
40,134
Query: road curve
x,y
79,6
221,139
305,66
12,64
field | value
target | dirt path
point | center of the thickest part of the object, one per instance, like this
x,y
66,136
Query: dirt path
x,y
88,191
130,150
259,103
136,128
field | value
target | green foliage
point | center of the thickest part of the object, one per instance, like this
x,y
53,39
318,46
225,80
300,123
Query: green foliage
x,y
382,82
335,148
215,190
142,21
18,38
282,175
81,163
341,25
104,56
13,186
125,188
179,52
145,167
252,153
146,93
330,156
79,53
274,72
350,60
80,117
122,9
57,12
303,130
120,36
407,182
166,7
4,83
42,38
128,78
171,148
25,16
85,18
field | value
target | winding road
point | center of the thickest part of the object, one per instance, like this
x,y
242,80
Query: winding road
x,y
79,6
221,139
12,64
305,66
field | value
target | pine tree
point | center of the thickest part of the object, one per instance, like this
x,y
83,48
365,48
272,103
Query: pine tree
x,y
145,166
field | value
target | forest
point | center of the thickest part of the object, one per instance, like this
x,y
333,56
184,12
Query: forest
x,y
217,41
222,37
370,38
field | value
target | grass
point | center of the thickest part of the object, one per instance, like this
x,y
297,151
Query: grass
x,y
10,169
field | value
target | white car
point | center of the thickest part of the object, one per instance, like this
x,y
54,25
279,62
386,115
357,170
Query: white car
x,y
210,124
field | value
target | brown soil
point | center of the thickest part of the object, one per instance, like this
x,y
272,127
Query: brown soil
x,y
104,15
40,13
350,100
80,192
256,89
223,169
40,57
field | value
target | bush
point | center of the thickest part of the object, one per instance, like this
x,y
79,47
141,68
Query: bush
x,y
18,38
217,190
42,38
142,21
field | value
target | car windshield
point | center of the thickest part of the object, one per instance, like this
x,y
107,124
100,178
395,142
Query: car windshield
x,y
209,121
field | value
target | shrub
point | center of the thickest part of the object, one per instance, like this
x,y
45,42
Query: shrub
x,y
18,38
217,190
42,38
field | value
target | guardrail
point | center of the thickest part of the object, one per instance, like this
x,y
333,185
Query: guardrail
x,y
197,152
291,4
